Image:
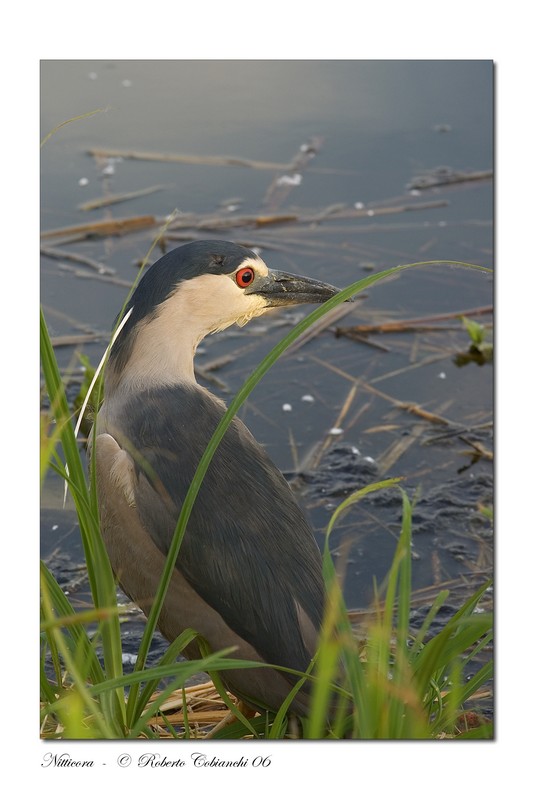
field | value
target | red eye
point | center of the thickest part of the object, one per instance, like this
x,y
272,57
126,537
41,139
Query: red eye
x,y
244,277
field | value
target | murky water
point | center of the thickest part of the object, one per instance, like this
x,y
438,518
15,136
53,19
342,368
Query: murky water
x,y
399,401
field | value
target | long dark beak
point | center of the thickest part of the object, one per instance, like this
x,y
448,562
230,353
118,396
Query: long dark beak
x,y
282,288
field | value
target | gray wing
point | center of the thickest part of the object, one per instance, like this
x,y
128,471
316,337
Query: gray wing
x,y
248,549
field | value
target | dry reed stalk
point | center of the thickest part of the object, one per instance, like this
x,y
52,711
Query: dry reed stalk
x,y
313,459
300,217
205,160
185,158
205,710
410,407
116,281
416,324
113,199
104,227
76,339
323,324
59,254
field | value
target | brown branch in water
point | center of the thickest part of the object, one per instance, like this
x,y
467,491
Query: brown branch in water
x,y
410,325
192,222
116,281
63,255
82,326
205,160
302,217
410,407
104,227
478,448
398,448
210,378
75,339
113,199
322,324
444,176
185,158
314,457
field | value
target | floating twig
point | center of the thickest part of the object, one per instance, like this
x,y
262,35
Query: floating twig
x,y
411,325
79,338
323,324
400,446
185,158
116,281
313,459
410,407
218,363
82,326
210,378
445,176
104,227
63,255
301,217
205,160
113,199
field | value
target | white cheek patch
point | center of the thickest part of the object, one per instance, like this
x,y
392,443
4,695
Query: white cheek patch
x,y
206,304
216,302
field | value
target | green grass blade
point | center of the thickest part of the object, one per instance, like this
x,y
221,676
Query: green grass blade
x,y
59,603
431,655
100,575
418,642
169,656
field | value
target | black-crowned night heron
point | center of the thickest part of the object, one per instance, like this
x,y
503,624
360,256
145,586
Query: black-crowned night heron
x,y
248,573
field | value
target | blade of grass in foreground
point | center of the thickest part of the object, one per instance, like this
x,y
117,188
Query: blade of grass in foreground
x,y
101,579
337,629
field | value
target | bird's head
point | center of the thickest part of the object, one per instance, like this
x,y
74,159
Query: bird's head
x,y
197,289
